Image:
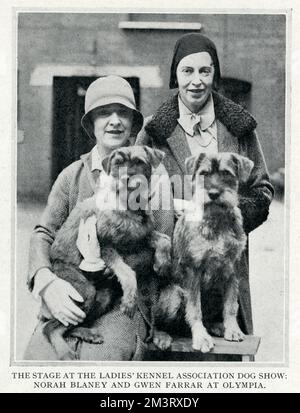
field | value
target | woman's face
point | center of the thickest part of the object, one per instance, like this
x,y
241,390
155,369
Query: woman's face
x,y
112,126
195,75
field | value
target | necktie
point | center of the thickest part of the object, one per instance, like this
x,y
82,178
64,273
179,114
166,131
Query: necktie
x,y
195,122
188,122
203,137
191,123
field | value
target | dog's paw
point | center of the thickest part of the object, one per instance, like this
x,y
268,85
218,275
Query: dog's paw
x,y
234,334
232,331
162,340
128,308
108,272
94,338
87,334
203,342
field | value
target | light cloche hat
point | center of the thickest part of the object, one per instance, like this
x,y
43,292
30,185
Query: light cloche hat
x,y
105,91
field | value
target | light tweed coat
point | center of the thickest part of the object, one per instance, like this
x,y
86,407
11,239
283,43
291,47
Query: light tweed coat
x,y
235,133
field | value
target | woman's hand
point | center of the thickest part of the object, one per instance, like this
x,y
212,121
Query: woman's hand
x,y
58,297
180,206
88,245
193,210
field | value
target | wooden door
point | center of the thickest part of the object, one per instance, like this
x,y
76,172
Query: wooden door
x,y
236,90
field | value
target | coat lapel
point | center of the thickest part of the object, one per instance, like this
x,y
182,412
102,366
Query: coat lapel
x,y
226,141
179,146
91,176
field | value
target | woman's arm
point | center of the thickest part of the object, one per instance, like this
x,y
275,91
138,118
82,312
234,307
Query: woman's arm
x,y
56,294
257,194
55,213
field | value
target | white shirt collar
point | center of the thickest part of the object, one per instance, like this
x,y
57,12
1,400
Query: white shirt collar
x,y
207,114
96,159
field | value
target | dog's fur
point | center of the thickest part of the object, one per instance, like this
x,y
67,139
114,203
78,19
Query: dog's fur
x,y
120,232
205,252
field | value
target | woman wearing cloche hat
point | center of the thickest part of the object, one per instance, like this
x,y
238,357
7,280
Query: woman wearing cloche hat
x,y
103,96
112,120
199,119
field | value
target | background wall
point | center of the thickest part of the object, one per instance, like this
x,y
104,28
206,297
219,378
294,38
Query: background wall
x,y
250,47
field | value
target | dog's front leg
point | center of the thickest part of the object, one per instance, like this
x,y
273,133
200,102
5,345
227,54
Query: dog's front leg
x,y
162,245
232,331
166,310
201,339
126,277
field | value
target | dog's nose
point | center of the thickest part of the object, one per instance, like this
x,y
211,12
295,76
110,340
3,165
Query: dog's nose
x,y
134,182
214,194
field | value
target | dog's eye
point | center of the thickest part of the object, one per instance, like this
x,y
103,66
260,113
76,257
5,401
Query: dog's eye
x,y
118,161
138,162
226,174
204,173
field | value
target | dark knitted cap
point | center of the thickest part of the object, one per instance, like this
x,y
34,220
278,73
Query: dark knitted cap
x,y
193,43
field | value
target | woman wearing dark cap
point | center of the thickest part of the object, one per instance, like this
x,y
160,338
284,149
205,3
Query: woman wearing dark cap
x,y
112,121
198,119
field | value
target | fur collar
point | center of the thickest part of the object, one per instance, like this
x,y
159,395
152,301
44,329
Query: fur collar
x,y
236,119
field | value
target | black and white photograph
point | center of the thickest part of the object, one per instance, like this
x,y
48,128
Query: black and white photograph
x,y
151,188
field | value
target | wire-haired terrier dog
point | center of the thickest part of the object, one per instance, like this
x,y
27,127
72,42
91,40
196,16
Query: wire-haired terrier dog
x,y
205,251
122,228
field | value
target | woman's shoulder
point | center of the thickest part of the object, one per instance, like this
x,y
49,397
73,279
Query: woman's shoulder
x,y
235,117
75,166
161,123
72,168
71,171
143,137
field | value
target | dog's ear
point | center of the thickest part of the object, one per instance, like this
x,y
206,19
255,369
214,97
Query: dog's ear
x,y
155,156
244,167
193,163
190,165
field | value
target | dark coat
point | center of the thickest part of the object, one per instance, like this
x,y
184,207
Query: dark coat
x,y
235,133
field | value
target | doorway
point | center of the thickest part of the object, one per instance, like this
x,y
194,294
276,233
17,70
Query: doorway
x,y
237,90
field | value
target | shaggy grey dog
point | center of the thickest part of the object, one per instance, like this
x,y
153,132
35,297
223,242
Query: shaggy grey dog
x,y
120,231
208,242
